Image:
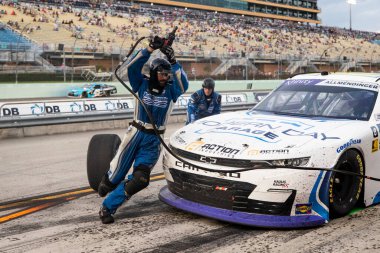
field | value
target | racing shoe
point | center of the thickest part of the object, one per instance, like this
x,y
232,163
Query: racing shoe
x,y
105,215
105,186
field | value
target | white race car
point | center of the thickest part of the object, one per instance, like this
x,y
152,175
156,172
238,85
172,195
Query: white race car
x,y
306,153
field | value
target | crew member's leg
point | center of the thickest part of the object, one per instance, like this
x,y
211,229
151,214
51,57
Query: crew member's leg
x,y
121,163
146,157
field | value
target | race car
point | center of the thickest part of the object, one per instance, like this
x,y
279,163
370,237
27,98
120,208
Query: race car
x,y
93,90
307,153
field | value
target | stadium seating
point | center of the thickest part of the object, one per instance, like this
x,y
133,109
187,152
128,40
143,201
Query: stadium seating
x,y
202,33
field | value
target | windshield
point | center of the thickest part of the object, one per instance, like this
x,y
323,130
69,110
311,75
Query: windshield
x,y
320,101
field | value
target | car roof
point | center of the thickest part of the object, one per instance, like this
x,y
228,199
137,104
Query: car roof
x,y
354,76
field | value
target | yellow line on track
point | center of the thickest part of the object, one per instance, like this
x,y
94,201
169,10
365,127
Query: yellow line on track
x,y
24,212
69,196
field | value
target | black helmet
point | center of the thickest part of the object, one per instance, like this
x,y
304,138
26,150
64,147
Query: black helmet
x,y
208,83
159,65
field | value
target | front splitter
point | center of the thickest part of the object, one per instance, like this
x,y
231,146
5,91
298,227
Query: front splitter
x,y
243,218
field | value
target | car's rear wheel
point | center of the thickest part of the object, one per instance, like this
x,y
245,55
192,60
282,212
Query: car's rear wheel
x,y
345,190
101,149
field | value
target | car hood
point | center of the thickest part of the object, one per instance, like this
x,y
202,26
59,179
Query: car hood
x,y
246,134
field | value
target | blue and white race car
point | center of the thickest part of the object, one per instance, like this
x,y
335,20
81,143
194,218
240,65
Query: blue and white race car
x,y
306,153
93,90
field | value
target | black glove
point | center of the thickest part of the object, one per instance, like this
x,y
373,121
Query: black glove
x,y
156,42
169,53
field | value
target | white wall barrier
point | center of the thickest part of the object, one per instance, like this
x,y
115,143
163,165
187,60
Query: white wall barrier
x,y
82,107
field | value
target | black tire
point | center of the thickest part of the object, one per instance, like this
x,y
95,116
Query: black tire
x,y
346,190
101,149
108,93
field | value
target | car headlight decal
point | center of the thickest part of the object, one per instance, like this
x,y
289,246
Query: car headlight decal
x,y
294,162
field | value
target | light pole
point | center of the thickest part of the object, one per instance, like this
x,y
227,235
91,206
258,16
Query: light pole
x,y
122,47
370,61
72,56
18,41
351,2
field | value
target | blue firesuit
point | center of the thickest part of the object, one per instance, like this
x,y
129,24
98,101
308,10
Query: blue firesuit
x,y
201,106
139,146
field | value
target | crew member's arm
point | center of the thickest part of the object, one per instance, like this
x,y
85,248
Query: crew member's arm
x,y
135,66
192,107
218,104
180,81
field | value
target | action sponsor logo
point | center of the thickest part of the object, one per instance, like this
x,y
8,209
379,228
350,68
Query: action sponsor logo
x,y
303,208
214,148
280,183
348,144
375,145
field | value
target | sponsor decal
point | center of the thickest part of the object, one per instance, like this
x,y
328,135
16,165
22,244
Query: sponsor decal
x,y
375,145
375,132
186,166
194,145
263,131
302,81
356,84
348,144
253,152
281,183
214,148
303,208
179,139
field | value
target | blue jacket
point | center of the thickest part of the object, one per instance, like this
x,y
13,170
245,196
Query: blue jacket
x,y
158,105
197,107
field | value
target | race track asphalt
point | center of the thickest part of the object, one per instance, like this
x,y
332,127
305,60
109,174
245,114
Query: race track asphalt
x,y
46,206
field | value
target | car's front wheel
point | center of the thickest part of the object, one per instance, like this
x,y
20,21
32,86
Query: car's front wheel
x,y
345,190
101,150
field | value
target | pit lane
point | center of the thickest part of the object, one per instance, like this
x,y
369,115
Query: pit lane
x,y
48,173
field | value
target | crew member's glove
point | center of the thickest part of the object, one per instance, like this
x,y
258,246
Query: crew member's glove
x,y
156,42
169,53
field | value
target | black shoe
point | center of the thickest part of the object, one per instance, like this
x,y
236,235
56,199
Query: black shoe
x,y
105,215
105,186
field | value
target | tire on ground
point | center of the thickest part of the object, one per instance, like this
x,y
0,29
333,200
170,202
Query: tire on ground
x,y
346,190
101,149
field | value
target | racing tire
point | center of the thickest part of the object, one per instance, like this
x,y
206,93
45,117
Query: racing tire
x,y
345,190
101,150
108,93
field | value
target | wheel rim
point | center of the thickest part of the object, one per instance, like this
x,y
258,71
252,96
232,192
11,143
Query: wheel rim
x,y
342,184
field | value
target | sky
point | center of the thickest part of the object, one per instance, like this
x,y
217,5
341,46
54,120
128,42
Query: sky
x,y
364,15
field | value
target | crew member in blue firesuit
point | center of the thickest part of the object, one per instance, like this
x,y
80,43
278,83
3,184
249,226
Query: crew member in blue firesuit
x,y
204,102
140,145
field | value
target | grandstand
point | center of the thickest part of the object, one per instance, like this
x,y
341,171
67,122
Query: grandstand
x,y
223,42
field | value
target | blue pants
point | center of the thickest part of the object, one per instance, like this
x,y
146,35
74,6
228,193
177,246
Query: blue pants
x,y
138,148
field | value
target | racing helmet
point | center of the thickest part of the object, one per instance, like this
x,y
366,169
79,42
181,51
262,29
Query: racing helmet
x,y
208,83
159,65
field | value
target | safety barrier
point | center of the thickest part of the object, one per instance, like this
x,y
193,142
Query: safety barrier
x,y
17,114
